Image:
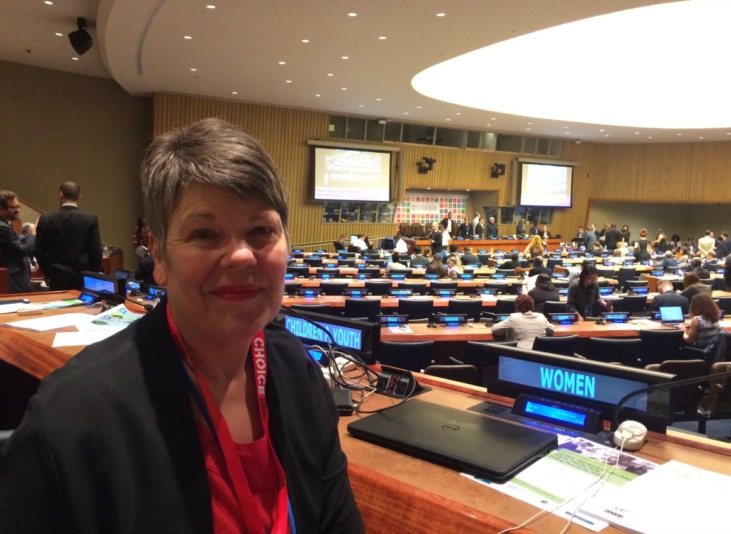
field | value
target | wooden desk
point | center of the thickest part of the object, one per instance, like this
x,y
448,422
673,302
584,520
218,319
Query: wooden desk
x,y
355,283
398,493
506,245
389,302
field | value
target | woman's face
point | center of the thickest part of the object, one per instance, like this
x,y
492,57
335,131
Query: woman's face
x,y
225,264
590,280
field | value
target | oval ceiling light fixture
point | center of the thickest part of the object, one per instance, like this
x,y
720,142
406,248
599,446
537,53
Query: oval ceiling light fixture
x,y
637,67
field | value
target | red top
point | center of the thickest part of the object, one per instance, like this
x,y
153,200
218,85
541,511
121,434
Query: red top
x,y
261,474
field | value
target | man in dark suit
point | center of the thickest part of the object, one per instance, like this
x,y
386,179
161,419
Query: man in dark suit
x,y
667,297
612,237
534,230
512,263
724,249
468,258
14,251
68,242
480,229
538,267
491,230
696,265
448,224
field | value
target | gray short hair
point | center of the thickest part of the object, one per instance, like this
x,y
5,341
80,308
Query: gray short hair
x,y
209,152
668,254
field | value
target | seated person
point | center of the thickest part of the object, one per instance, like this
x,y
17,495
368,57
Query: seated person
x,y
703,329
543,291
669,260
512,263
360,242
400,246
684,254
394,264
710,259
667,297
341,243
696,265
621,249
584,293
453,249
538,267
436,266
145,271
525,325
453,269
419,261
693,286
468,258
369,248
545,233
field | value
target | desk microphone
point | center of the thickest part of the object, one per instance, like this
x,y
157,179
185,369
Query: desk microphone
x,y
667,385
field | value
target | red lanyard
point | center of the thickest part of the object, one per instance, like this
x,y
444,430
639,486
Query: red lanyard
x,y
218,427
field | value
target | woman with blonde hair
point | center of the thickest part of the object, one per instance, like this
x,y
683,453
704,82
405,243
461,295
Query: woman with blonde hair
x,y
535,247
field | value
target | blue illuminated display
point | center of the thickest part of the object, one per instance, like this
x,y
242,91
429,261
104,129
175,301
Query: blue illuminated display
x,y
607,389
557,414
345,337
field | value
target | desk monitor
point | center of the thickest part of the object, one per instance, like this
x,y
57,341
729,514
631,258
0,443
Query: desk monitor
x,y
496,276
645,262
288,277
657,273
122,274
133,285
500,317
573,255
393,320
87,297
556,256
449,319
616,317
671,314
563,318
400,293
362,266
325,276
640,290
563,291
386,244
609,263
466,276
628,263
396,276
583,382
363,276
310,292
360,336
96,283
444,293
157,292
355,293
321,251
486,291
606,291
431,276
560,275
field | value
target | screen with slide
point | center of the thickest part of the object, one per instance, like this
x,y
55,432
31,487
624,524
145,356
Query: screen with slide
x,y
545,185
352,174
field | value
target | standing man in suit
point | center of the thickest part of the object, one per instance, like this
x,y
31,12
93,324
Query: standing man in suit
x,y
480,229
448,224
475,222
612,237
491,229
706,244
14,251
68,242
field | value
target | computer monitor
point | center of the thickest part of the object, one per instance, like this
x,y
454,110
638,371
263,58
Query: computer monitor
x,y
386,244
97,282
363,337
511,371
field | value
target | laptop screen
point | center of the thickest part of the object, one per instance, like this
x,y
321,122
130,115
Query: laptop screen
x,y
671,314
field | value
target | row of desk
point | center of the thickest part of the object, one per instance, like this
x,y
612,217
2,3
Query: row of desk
x,y
396,492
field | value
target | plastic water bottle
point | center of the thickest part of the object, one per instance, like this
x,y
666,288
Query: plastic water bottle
x,y
105,252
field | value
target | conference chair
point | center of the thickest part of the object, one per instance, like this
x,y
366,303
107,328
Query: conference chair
x,y
417,288
367,309
605,272
713,267
485,363
417,229
436,284
483,258
504,306
564,345
471,308
725,304
506,272
408,273
625,351
378,288
684,399
313,262
560,284
707,281
551,306
465,373
349,262
411,355
407,230
632,304
624,274
671,270
714,353
338,246
291,288
719,284
678,285
551,263
299,272
333,288
631,284
660,345
314,308
375,272
416,309
501,287
718,400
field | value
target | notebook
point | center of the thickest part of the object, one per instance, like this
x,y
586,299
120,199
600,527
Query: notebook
x,y
458,439
671,315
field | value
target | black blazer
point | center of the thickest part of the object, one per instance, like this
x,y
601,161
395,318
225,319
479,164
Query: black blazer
x,y
68,242
14,256
534,230
669,298
109,443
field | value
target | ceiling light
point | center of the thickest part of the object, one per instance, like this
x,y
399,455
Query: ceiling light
x,y
382,37
428,187
289,81
234,92
680,134
567,133
305,40
493,119
194,70
449,119
329,74
728,133
418,107
459,114
345,57
406,112
360,105
700,138
48,2
378,99
352,14
528,129
210,6
637,133
75,58
318,96
59,34
606,135
650,137
648,45
565,126
282,63
469,190
489,124
530,123
441,14
187,37
601,130
344,88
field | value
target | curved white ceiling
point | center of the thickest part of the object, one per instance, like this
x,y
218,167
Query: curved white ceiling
x,y
661,66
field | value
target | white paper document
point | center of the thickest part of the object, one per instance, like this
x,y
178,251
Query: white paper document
x,y
403,329
674,497
53,322
80,339
12,308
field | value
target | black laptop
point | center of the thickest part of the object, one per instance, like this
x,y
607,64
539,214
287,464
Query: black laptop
x,y
462,440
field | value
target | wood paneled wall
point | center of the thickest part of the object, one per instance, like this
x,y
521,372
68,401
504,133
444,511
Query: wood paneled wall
x,y
678,172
